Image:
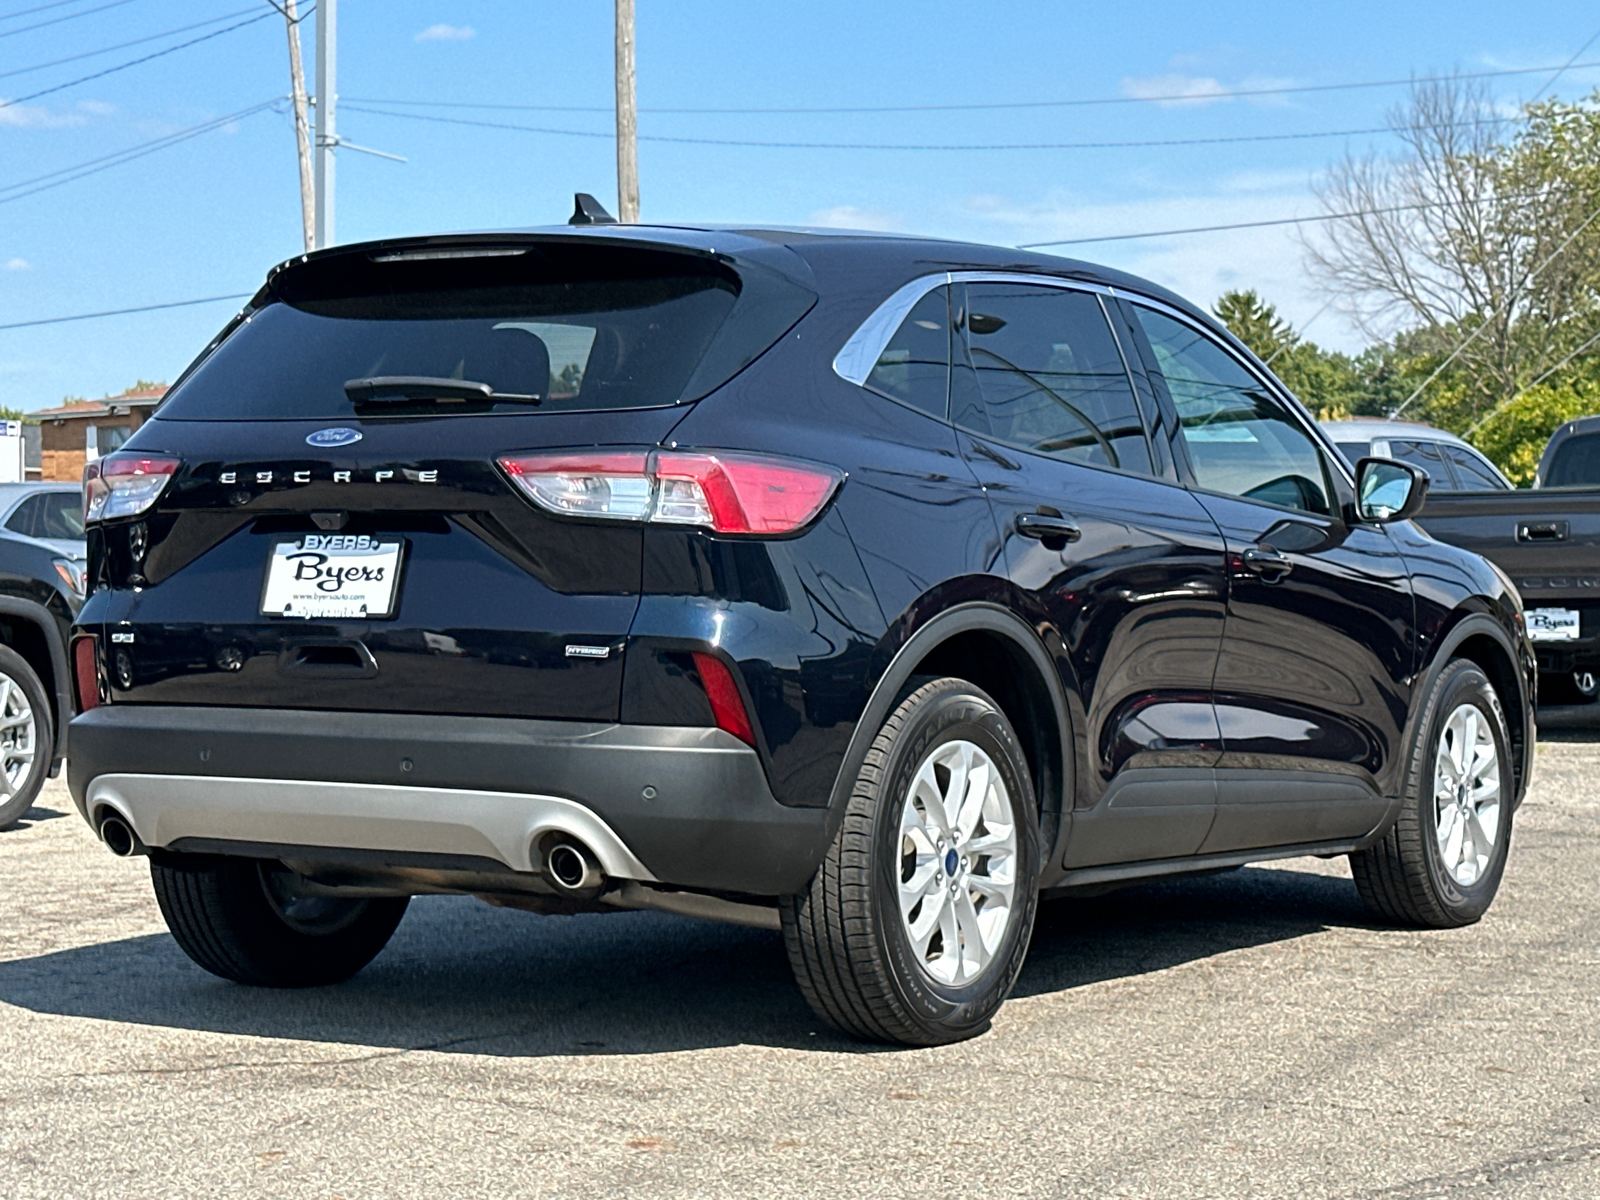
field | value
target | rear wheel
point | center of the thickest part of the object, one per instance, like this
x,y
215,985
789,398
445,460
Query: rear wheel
x,y
250,921
26,736
915,926
1441,864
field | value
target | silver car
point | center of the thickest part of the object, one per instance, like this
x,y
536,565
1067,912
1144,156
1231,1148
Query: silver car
x,y
1452,464
50,514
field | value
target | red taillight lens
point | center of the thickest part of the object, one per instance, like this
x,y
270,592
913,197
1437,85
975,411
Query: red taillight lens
x,y
86,671
727,492
740,493
125,485
727,705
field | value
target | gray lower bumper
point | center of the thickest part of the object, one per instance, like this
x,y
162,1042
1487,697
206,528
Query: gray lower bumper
x,y
688,807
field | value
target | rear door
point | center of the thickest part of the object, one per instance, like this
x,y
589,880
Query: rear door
x,y
1311,685
290,464
1113,560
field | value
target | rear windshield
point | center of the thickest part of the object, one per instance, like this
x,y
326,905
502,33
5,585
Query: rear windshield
x,y
577,327
1576,462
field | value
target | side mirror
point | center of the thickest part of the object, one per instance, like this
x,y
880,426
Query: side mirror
x,y
1390,490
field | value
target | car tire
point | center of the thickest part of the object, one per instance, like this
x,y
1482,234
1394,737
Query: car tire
x,y
243,919
935,970
1439,867
26,728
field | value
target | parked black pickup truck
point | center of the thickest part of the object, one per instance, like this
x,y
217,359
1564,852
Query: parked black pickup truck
x,y
1547,538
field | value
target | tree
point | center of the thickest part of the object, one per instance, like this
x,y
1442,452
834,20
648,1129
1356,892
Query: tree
x,y
1485,248
1514,436
1325,382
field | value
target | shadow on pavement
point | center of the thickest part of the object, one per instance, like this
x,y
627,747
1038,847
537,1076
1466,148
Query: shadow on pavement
x,y
461,976
31,818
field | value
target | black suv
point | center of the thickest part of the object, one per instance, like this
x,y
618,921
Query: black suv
x,y
859,586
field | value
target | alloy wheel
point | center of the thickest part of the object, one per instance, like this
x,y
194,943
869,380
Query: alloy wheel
x,y
19,733
958,862
1466,793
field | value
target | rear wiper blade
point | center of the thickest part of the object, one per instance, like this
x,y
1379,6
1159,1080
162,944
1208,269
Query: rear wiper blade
x,y
399,389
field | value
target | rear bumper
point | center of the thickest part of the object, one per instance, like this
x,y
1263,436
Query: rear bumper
x,y
684,806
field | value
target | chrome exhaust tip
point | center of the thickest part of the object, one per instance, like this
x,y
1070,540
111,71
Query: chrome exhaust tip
x,y
119,836
572,869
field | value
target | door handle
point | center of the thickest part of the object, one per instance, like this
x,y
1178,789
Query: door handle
x,y
1048,528
1270,564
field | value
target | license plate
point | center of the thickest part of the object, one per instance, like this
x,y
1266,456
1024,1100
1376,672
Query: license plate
x,y
1552,624
337,575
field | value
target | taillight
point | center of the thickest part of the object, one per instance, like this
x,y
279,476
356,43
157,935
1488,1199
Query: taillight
x,y
86,671
725,491
125,485
727,705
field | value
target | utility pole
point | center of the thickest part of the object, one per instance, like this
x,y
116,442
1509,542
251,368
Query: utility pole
x,y
327,138
627,118
302,130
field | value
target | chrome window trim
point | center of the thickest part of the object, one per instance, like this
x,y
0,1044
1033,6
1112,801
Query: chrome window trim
x,y
865,346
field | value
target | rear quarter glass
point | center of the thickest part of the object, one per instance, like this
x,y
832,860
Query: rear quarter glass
x,y
579,328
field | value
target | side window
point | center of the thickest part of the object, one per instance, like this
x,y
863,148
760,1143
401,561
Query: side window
x,y
1046,375
59,515
1473,474
1354,452
914,367
1241,440
23,519
1425,455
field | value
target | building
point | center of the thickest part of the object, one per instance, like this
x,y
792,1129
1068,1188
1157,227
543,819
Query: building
x,y
80,430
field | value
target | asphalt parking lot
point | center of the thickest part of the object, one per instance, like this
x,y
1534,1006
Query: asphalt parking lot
x,y
1250,1034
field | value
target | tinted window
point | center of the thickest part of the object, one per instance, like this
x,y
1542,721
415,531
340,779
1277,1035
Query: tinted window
x,y
1046,375
22,520
581,328
59,515
1355,451
1576,462
1241,441
914,367
1422,454
1473,474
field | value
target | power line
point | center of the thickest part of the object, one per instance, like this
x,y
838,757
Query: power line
x,y
23,12
1473,336
205,37
154,37
1154,233
57,20
1551,82
695,141
894,108
118,312
105,162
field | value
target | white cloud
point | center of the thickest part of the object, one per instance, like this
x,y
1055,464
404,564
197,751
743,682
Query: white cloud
x,y
848,216
1177,91
18,264
1194,91
447,33
21,116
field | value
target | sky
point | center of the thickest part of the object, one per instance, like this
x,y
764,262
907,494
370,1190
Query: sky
x,y
209,215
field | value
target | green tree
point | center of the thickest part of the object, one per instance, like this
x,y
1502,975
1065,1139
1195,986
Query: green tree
x,y
1476,251
1514,436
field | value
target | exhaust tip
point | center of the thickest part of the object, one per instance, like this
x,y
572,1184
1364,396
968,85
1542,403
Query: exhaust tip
x,y
572,868
119,837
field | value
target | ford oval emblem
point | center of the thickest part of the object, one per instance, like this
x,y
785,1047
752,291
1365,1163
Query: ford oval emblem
x,y
334,437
